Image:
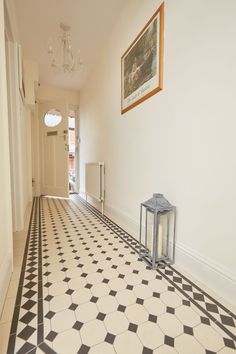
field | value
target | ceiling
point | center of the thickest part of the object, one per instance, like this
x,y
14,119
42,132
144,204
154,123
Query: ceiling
x,y
91,23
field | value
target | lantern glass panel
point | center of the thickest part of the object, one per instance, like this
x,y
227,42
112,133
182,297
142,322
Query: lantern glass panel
x,y
162,237
149,230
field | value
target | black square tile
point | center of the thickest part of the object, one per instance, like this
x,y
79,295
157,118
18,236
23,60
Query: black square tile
x,y
129,287
110,338
186,303
145,282
28,305
77,325
94,299
198,297
155,294
171,288
152,318
66,280
121,276
84,349
101,316
112,293
47,285
177,280
205,320
187,287
30,294
188,330
212,308
133,327
106,281
73,307
88,286
69,292
170,310
28,317
229,343
169,341
64,269
50,314
140,301
84,275
227,320
121,308
26,333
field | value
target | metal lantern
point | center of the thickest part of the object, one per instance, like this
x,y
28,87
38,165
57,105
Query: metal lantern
x,y
157,230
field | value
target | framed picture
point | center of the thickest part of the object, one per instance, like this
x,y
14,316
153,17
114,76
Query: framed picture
x,y
142,64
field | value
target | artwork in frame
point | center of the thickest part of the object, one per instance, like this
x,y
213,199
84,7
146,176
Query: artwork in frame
x,y
142,64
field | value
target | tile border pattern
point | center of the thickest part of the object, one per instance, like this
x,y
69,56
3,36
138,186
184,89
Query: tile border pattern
x,y
29,329
210,307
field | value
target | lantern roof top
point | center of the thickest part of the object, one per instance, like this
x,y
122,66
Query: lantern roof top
x,y
158,203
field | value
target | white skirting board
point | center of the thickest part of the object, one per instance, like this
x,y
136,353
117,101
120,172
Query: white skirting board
x,y
5,277
204,270
213,275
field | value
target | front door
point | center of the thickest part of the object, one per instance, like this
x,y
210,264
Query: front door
x,y
54,149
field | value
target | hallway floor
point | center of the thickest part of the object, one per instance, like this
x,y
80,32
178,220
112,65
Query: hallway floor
x,y
83,289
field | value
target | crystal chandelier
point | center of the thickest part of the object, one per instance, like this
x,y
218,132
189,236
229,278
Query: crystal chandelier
x,y
63,57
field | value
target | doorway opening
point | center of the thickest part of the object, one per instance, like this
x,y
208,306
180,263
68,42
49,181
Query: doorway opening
x,y
73,149
71,154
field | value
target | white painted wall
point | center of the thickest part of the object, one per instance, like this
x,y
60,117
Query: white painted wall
x,y
5,200
182,141
20,142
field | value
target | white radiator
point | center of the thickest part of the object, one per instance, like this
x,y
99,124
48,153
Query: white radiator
x,y
94,181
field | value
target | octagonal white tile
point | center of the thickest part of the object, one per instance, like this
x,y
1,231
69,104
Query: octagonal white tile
x,y
170,325
208,337
58,288
82,295
171,299
60,302
128,342
107,304
63,320
117,284
86,312
136,314
100,289
93,332
187,316
125,297
150,335
154,306
142,291
184,342
116,322
67,342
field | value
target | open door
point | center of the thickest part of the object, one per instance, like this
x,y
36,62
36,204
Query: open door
x,y
54,149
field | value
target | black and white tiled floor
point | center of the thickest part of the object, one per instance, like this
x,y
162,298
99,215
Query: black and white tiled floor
x,y
84,290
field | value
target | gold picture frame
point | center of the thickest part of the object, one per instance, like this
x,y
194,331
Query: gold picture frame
x,y
142,64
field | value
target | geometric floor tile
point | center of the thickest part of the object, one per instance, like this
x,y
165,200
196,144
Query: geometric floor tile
x,y
83,289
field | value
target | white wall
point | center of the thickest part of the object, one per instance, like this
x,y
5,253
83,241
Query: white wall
x,y
20,141
182,141
5,200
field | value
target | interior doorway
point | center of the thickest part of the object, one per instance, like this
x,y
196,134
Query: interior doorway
x,y
73,151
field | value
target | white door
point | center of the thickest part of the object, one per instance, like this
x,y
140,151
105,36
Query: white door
x,y
54,149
